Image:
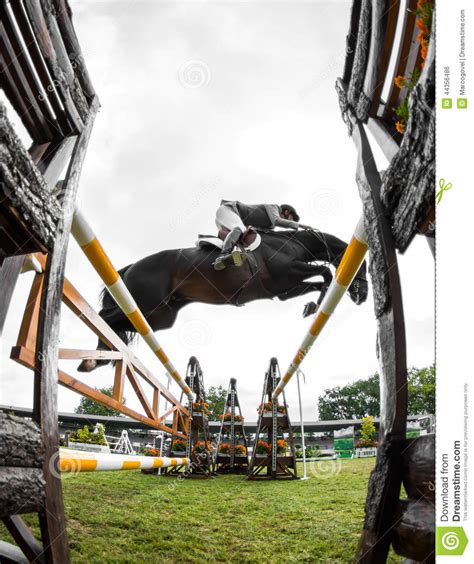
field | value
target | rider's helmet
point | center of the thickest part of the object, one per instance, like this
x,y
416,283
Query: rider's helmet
x,y
290,209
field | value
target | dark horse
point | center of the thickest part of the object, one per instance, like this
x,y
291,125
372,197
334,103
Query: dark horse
x,y
280,267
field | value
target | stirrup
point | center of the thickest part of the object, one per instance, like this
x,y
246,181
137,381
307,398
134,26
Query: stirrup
x,y
238,257
223,260
220,262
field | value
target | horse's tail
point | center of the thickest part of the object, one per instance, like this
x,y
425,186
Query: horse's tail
x,y
109,307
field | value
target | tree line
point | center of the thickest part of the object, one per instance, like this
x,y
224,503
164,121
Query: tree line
x,y
352,401
362,397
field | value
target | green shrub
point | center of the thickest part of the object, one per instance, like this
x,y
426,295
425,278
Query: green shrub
x,y
84,435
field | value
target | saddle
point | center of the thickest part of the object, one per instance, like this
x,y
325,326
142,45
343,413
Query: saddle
x,y
250,239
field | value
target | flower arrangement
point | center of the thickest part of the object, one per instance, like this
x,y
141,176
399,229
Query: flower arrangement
x,y
310,451
228,417
178,445
367,433
149,452
282,446
267,408
366,443
263,448
224,448
402,110
201,406
202,447
84,435
240,450
424,22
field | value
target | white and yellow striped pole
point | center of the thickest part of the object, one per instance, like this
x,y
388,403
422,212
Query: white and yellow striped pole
x,y
73,461
348,267
85,237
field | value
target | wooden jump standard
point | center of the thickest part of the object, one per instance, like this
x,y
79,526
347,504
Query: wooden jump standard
x,y
79,461
45,79
127,365
397,205
345,273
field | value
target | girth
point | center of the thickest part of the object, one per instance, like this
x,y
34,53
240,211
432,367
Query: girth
x,y
253,288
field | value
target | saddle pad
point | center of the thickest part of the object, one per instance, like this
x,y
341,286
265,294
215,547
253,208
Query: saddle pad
x,y
210,240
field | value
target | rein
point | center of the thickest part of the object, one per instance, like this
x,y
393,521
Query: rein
x,y
318,235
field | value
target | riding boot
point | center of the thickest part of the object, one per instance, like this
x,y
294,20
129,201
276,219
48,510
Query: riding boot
x,y
228,252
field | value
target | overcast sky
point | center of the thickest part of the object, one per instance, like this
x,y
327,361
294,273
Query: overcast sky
x,y
203,101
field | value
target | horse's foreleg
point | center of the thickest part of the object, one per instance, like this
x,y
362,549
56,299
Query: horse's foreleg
x,y
302,270
301,289
358,290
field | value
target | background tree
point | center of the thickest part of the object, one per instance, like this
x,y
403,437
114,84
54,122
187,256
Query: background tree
x,y
362,398
353,401
422,390
216,397
91,407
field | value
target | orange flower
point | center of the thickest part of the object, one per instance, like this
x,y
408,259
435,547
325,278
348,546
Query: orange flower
x,y
240,449
420,24
224,448
420,37
400,81
400,127
420,4
424,49
263,447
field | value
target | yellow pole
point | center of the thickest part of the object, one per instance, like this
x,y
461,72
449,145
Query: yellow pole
x,y
86,239
348,267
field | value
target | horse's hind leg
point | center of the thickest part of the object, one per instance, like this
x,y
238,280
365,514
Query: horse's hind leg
x,y
119,323
149,282
165,315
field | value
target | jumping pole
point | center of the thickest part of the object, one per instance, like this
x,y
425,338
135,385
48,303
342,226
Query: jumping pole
x,y
350,263
80,461
86,239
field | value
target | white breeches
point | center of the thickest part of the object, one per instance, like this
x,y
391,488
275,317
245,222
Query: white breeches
x,y
227,218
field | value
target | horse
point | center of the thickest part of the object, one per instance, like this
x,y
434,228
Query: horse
x,y
280,267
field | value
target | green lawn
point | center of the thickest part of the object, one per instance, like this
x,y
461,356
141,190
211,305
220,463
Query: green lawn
x,y
132,517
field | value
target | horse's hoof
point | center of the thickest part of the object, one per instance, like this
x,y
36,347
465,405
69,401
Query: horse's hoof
x,y
358,291
87,365
309,309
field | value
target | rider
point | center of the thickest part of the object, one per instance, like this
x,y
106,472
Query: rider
x,y
236,217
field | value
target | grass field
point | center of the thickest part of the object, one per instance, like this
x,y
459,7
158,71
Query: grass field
x,y
132,517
